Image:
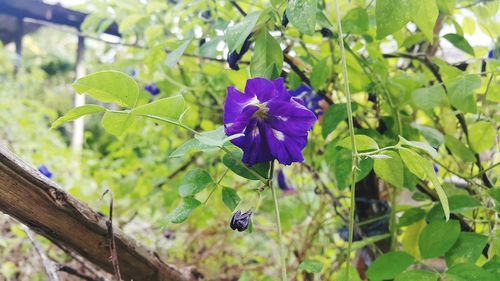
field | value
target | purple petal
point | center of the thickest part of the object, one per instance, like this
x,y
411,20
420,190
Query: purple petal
x,y
241,121
266,90
291,118
254,145
235,102
284,148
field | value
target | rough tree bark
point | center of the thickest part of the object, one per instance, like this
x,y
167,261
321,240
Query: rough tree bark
x,y
40,204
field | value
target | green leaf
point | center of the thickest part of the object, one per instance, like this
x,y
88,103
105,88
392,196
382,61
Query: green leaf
x,y
215,138
417,275
459,149
415,163
340,160
117,123
192,145
420,145
170,108
468,272
335,114
363,142
109,86
194,182
230,198
466,249
425,17
209,49
438,237
433,136
267,52
236,34
302,14
459,42
461,92
174,57
482,136
389,265
424,169
411,216
393,15
76,113
428,98
320,73
182,212
391,170
493,266
355,21
130,21
311,266
232,160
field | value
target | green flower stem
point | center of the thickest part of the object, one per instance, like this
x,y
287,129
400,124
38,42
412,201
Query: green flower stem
x,y
278,225
354,163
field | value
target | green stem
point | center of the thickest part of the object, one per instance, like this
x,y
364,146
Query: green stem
x,y
278,225
354,163
393,224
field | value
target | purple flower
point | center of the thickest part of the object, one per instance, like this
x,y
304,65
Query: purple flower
x,y
436,169
491,54
282,184
275,124
240,221
45,171
152,89
311,99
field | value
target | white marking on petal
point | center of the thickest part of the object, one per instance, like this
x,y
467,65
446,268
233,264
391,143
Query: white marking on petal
x,y
255,132
229,124
282,118
278,134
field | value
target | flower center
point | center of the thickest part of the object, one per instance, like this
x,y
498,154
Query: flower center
x,y
261,113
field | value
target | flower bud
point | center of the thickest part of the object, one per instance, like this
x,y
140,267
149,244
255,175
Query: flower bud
x,y
240,221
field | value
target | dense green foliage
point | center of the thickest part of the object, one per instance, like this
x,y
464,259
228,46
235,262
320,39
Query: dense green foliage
x,y
425,127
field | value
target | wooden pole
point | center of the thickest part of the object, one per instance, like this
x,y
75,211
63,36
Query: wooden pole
x,y
18,41
79,100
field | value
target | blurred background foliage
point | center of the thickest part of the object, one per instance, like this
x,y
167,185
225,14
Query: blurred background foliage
x,y
144,178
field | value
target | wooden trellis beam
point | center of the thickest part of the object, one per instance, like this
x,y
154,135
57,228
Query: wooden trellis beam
x,y
40,204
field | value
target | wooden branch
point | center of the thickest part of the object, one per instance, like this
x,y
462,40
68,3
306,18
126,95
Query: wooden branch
x,y
48,210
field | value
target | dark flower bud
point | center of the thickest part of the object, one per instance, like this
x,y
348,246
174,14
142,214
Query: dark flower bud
x,y
45,171
240,221
284,19
202,41
152,89
206,15
232,60
372,97
234,57
436,169
326,33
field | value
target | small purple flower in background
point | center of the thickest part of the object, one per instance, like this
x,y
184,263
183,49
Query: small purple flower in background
x,y
152,89
240,221
310,98
275,124
45,171
282,184
436,169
